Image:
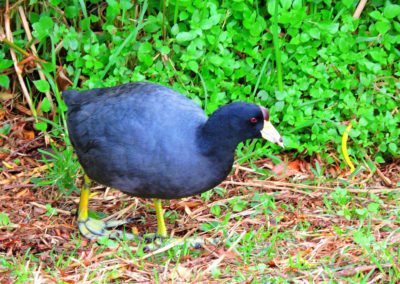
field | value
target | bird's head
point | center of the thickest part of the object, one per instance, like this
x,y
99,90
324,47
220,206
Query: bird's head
x,y
241,121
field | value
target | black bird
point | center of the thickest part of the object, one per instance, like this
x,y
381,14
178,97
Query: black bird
x,y
150,141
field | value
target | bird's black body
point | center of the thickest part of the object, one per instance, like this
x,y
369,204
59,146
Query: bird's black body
x,y
150,141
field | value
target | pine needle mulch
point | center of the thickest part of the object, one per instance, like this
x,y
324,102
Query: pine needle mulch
x,y
289,225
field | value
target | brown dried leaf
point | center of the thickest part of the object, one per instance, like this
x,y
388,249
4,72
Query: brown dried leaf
x,y
189,204
4,96
23,109
62,80
279,168
22,193
272,263
28,134
294,165
287,169
228,254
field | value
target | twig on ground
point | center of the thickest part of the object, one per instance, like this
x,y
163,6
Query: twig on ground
x,y
385,180
359,9
352,271
269,186
172,244
277,185
247,170
15,60
33,48
119,214
44,207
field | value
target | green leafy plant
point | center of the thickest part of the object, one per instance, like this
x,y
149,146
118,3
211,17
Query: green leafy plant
x,y
4,219
50,211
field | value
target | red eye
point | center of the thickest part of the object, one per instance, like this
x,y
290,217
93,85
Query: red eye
x,y
253,120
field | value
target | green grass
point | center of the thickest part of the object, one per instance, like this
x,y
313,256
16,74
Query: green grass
x,y
309,62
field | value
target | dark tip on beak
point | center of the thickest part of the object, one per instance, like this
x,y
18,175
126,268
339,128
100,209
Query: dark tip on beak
x,y
265,113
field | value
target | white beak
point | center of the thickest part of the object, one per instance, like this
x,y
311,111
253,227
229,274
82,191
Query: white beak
x,y
271,134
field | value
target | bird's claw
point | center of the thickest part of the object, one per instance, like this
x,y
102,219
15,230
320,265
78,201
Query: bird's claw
x,y
152,237
195,243
93,229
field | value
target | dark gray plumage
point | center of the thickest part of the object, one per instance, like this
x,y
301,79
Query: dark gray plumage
x,y
150,141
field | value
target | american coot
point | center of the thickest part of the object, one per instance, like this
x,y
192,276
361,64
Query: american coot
x,y
150,141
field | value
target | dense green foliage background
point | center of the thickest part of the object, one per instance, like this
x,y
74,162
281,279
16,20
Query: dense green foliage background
x,y
334,68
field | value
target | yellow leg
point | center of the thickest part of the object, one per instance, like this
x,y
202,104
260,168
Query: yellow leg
x,y
83,212
93,228
161,228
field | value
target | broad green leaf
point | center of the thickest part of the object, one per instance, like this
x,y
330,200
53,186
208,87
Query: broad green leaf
x,y
145,53
5,63
315,33
4,219
175,30
55,2
5,130
71,12
45,105
373,207
165,50
4,81
391,11
152,25
393,147
348,3
382,26
210,22
216,210
125,4
193,66
185,36
145,47
279,106
42,85
332,28
43,28
376,15
41,126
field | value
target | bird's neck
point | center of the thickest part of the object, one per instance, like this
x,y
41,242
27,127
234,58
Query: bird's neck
x,y
216,140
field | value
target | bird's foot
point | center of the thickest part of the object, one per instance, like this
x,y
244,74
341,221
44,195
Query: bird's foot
x,y
92,229
156,242
153,237
199,242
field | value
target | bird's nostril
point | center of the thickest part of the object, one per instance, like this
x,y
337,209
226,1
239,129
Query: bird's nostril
x,y
280,139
